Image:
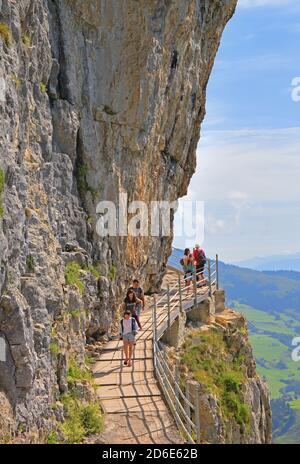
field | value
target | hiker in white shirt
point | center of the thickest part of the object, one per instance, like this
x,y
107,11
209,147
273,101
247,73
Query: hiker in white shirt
x,y
128,331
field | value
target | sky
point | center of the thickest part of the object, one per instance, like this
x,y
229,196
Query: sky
x,y
248,163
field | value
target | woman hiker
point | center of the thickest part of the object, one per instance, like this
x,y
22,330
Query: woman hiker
x,y
130,302
140,294
128,331
188,264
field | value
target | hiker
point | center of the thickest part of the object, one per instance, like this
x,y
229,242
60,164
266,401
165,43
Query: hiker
x,y
200,259
196,253
188,265
130,302
140,294
128,331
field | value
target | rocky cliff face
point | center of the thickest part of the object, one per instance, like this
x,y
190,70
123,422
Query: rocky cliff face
x,y
97,97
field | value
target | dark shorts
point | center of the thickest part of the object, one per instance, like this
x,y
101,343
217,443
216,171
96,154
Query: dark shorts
x,y
188,275
200,269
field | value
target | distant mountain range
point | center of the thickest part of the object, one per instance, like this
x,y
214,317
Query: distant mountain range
x,y
269,291
270,301
273,263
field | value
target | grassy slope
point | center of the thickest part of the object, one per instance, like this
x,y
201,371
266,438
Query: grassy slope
x,y
292,436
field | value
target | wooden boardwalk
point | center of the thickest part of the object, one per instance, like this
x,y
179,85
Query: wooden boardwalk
x,y
130,396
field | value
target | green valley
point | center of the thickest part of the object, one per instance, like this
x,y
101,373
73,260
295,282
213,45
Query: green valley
x,y
271,333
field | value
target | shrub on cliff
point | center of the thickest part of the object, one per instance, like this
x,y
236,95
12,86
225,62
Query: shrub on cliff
x,y
207,358
5,34
72,275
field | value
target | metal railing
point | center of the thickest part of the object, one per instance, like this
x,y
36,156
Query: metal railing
x,y
191,289
179,295
178,401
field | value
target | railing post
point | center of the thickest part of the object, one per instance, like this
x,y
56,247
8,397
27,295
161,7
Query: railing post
x,y
195,287
209,277
187,406
154,320
176,378
163,373
217,271
197,412
179,292
169,308
153,330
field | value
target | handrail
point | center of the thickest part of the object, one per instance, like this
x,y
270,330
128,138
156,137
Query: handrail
x,y
180,405
169,370
173,399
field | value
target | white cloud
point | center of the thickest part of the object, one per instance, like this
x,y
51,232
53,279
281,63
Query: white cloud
x,y
285,7
238,196
257,63
263,164
249,181
257,3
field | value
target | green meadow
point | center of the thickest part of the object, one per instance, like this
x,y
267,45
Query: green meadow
x,y
271,337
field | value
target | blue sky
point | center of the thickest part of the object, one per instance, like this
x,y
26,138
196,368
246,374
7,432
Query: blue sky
x,y
248,173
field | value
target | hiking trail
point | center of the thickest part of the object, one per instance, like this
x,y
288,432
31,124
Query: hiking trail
x,y
134,405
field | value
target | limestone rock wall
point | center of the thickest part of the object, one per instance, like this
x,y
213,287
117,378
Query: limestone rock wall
x,y
99,96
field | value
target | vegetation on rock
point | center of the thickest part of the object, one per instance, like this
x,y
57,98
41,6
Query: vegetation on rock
x,y
207,358
30,263
82,416
54,348
112,272
76,373
43,87
75,313
72,275
5,33
26,40
81,419
93,269
16,80
83,184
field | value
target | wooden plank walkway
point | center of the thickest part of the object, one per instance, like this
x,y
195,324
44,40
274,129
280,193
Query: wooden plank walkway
x,y
130,396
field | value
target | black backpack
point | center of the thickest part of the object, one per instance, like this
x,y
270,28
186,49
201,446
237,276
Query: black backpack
x,y
201,261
